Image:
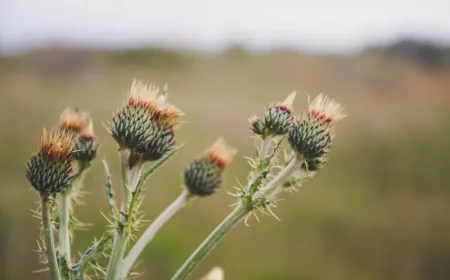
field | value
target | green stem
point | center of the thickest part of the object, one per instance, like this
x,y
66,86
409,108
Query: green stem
x,y
120,233
64,219
265,146
151,231
210,242
48,236
125,182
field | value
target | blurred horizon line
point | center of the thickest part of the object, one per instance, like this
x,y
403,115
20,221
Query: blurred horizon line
x,y
91,46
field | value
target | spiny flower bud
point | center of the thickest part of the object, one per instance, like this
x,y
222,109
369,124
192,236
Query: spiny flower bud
x,y
161,141
203,176
85,148
50,170
311,136
313,164
146,123
277,120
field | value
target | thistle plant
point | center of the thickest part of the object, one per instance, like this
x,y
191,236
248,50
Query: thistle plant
x,y
144,129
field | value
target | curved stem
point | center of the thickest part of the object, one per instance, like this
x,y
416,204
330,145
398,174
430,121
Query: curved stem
x,y
151,231
210,242
48,236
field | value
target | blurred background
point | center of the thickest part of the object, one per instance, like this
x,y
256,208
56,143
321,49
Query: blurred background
x,y
380,209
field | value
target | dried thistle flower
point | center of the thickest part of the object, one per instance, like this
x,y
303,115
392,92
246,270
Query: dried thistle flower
x,y
277,119
311,136
146,123
203,176
50,170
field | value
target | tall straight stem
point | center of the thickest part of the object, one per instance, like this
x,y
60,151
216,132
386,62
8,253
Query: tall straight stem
x,y
120,234
151,231
64,219
48,237
210,242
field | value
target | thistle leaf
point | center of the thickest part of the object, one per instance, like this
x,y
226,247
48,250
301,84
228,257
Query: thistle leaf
x,y
112,208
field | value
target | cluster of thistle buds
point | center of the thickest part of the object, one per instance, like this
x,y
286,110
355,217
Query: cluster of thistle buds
x,y
310,136
145,129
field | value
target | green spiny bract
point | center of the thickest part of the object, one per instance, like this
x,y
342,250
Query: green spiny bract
x,y
146,124
313,164
161,141
85,149
310,138
131,126
50,170
79,123
202,177
276,121
49,175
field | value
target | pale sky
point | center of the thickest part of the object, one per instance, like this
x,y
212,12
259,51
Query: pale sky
x,y
315,25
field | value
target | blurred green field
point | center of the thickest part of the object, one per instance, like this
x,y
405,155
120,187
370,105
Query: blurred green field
x,y
380,209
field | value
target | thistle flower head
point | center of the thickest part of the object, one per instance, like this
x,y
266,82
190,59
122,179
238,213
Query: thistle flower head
x,y
203,176
325,110
50,170
146,123
276,121
85,148
73,120
311,136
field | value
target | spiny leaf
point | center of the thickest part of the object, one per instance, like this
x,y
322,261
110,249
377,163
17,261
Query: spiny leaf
x,y
112,208
91,253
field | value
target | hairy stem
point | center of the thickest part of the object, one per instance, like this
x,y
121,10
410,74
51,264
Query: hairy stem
x,y
64,220
278,180
151,231
48,236
233,219
120,234
265,146
123,155
210,242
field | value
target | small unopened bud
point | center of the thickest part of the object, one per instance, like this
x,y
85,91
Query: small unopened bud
x,y
50,170
203,176
146,123
85,148
276,121
311,136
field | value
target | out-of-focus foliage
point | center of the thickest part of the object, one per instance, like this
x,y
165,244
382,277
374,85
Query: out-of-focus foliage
x,y
380,208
